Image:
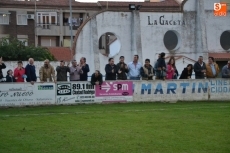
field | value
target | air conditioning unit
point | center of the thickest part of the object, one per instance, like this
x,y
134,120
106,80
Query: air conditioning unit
x,y
30,16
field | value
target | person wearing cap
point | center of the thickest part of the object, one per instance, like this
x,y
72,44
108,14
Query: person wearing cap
x,y
10,77
161,67
19,72
75,71
226,71
62,71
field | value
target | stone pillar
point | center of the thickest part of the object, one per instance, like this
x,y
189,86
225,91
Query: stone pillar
x,y
136,46
200,35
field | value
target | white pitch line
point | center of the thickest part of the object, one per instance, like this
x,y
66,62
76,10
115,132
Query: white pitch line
x,y
100,112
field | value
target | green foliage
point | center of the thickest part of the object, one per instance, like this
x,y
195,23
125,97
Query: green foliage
x,y
11,49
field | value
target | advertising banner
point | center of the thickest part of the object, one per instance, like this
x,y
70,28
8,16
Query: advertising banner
x,y
75,92
114,91
22,94
178,90
219,89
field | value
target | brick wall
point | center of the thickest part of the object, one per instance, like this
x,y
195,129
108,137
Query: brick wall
x,y
13,29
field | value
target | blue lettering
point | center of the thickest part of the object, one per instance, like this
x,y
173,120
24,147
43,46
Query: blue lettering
x,y
225,83
145,87
193,87
184,85
171,87
159,89
212,83
204,88
212,89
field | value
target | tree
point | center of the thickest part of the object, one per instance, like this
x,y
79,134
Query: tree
x,y
11,49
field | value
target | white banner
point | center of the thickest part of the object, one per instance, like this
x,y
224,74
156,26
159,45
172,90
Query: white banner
x,y
178,90
75,92
22,94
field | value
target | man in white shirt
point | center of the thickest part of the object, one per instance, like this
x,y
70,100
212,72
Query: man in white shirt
x,y
134,68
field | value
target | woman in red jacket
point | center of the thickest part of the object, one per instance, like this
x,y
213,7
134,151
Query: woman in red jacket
x,y
19,72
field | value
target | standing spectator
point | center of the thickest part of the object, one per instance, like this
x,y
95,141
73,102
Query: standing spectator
x,y
122,69
171,72
134,68
187,72
47,72
2,66
96,78
84,68
161,67
30,71
226,71
147,71
62,71
75,71
200,68
157,72
110,70
10,77
212,69
19,72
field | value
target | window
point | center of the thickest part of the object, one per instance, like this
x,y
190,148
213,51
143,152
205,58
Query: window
x,y
24,40
172,40
225,40
4,18
22,19
45,19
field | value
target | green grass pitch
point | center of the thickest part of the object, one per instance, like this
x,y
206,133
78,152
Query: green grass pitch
x,y
189,127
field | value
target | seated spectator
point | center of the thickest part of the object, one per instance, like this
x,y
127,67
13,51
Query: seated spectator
x,y
187,72
19,72
10,77
96,78
147,71
226,71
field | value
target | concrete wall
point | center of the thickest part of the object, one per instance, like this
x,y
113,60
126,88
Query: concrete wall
x,y
146,91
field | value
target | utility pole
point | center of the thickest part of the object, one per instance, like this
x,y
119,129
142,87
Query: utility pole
x,y
71,25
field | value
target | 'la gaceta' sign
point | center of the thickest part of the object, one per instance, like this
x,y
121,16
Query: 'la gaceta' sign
x,y
163,21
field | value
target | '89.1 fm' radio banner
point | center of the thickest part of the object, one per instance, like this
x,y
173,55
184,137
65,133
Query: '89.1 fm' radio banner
x,y
75,92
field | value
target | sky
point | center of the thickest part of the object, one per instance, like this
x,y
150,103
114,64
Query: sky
x,y
110,0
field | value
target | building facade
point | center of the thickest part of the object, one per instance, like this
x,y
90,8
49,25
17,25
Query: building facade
x,y
187,33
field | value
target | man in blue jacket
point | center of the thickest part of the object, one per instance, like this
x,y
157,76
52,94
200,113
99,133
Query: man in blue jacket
x,y
31,72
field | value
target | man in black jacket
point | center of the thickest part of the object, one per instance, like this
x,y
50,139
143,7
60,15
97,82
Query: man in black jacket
x,y
200,68
110,70
85,69
31,72
122,69
96,78
62,71
161,67
2,66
